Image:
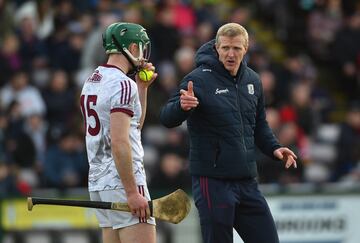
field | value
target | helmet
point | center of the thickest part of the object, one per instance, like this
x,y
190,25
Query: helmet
x,y
118,37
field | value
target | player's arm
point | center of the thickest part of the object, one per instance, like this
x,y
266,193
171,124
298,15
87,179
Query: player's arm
x,y
121,150
142,89
143,102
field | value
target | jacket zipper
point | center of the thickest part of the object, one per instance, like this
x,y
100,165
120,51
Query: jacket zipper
x,y
217,152
241,118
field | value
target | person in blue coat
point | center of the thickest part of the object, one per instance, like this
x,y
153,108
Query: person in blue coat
x,y
223,103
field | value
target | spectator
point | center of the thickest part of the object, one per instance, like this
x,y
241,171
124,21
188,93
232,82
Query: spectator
x,y
346,51
65,163
10,58
348,143
94,56
6,19
273,118
323,24
65,10
41,13
161,90
288,136
169,175
164,36
182,15
3,127
269,84
204,32
32,48
28,96
74,52
20,149
58,45
59,98
36,128
176,142
302,105
15,120
184,60
9,185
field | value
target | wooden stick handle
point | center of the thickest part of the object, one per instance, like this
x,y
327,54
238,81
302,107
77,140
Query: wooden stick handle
x,y
76,203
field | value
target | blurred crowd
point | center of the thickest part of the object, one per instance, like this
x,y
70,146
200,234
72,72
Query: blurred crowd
x,y
306,52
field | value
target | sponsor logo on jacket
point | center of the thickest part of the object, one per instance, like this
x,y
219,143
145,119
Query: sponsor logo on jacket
x,y
221,91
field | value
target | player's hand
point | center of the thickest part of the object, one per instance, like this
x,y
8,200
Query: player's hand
x,y
287,156
138,205
145,84
188,100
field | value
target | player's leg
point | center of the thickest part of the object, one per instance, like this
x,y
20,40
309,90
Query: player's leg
x,y
109,235
139,233
130,228
253,219
215,204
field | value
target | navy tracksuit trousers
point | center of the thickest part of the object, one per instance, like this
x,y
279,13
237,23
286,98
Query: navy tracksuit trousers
x,y
227,204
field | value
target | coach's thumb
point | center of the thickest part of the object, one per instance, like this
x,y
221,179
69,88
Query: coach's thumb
x,y
190,88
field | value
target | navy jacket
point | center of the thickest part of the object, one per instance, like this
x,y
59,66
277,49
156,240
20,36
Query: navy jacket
x,y
229,121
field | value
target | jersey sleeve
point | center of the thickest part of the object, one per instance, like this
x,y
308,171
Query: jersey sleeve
x,y
123,97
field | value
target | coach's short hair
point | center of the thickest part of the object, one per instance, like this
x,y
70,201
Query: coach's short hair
x,y
232,30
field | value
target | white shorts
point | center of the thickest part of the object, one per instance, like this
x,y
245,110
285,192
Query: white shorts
x,y
118,219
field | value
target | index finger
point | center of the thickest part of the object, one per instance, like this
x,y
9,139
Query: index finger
x,y
295,164
290,161
183,92
290,152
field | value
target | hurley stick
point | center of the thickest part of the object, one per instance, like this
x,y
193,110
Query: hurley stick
x,y
172,208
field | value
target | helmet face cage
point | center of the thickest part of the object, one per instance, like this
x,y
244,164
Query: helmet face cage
x,y
119,36
144,53
147,51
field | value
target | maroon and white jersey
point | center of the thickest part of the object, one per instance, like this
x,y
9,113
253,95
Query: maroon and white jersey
x,y
109,90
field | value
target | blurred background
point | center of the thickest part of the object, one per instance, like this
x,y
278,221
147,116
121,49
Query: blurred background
x,y
306,52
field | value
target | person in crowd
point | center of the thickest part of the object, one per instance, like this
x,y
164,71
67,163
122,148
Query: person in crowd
x,y
65,163
348,143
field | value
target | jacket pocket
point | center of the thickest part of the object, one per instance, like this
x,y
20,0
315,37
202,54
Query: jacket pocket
x,y
206,151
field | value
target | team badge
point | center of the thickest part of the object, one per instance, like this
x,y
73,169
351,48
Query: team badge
x,y
251,89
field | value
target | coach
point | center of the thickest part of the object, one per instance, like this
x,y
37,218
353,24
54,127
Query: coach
x,y
223,103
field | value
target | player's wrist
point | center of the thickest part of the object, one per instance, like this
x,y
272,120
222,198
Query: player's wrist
x,y
142,85
131,192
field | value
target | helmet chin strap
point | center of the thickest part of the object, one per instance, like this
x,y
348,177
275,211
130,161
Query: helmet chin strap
x,y
136,60
131,59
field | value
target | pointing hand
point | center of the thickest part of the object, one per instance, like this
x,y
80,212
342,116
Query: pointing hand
x,y
188,100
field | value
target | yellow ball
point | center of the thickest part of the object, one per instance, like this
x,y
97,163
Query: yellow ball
x,y
145,75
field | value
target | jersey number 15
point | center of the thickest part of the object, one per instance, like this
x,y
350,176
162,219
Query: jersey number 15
x,y
88,112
